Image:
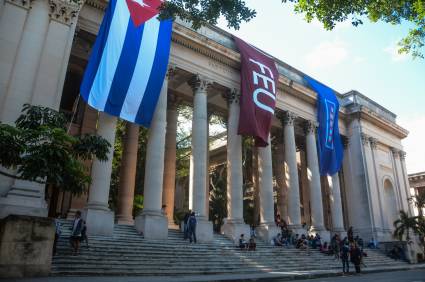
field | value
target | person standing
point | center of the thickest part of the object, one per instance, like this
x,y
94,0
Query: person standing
x,y
186,225
356,257
77,227
192,227
58,232
345,251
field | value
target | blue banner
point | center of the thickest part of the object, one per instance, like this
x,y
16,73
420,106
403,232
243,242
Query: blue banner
x,y
328,139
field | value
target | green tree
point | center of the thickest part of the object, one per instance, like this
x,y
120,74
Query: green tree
x,y
40,149
404,226
327,12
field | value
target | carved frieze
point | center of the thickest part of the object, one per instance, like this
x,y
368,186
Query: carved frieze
x,y
65,11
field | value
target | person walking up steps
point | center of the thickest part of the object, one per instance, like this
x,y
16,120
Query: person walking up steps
x,y
344,258
192,228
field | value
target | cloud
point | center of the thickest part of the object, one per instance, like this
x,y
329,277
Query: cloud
x,y
326,55
392,51
359,60
414,143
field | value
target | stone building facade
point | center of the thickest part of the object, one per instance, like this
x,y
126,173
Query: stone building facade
x,y
45,46
417,184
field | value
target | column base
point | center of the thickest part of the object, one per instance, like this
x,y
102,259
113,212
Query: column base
x,y
266,231
99,221
24,198
204,231
234,228
125,220
154,226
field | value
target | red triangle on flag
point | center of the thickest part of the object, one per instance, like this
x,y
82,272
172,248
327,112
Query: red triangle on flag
x,y
142,10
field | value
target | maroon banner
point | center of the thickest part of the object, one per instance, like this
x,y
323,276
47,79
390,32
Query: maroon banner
x,y
259,78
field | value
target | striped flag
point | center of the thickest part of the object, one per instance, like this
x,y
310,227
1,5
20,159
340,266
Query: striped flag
x,y
129,61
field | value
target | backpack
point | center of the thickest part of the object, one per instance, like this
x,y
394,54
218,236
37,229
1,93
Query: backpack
x,y
192,221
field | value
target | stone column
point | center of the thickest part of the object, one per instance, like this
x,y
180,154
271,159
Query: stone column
x,y
267,228
377,224
51,71
336,205
128,174
317,224
152,221
405,181
99,218
170,160
305,187
256,187
279,169
199,154
234,225
292,184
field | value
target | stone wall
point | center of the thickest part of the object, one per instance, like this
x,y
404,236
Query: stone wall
x,y
26,244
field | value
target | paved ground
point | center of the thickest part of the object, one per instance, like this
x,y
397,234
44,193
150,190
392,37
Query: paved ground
x,y
398,276
416,275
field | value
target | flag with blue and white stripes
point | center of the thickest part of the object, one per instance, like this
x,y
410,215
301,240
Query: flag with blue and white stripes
x,y
128,63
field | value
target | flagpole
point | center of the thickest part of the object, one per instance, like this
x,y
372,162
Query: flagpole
x,y
74,110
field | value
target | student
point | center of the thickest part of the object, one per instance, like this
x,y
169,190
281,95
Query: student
x,y
84,234
345,251
186,225
252,245
77,227
243,244
192,228
356,257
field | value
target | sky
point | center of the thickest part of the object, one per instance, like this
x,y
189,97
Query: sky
x,y
363,58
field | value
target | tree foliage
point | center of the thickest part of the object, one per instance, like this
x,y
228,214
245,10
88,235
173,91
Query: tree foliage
x,y
40,149
327,12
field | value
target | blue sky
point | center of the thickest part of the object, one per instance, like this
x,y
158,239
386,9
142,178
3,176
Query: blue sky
x,y
362,58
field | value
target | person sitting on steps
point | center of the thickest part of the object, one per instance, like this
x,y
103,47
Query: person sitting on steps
x,y
243,244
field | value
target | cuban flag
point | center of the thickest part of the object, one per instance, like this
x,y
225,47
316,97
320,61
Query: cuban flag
x,y
328,139
128,63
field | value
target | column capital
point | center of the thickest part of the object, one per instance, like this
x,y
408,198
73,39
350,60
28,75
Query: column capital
x,y
65,11
395,152
199,83
311,127
365,139
402,155
26,4
232,96
373,142
287,118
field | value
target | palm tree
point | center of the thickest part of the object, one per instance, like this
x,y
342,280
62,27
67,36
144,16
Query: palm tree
x,y
419,202
404,225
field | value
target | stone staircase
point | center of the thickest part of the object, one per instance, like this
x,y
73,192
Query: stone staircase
x,y
127,253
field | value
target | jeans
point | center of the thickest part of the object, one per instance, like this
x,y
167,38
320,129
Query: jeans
x,y
345,265
186,231
192,234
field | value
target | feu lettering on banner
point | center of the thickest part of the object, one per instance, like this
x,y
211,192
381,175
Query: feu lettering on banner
x,y
268,80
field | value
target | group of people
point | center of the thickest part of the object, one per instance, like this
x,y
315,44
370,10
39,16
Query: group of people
x,y
78,234
247,245
189,226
